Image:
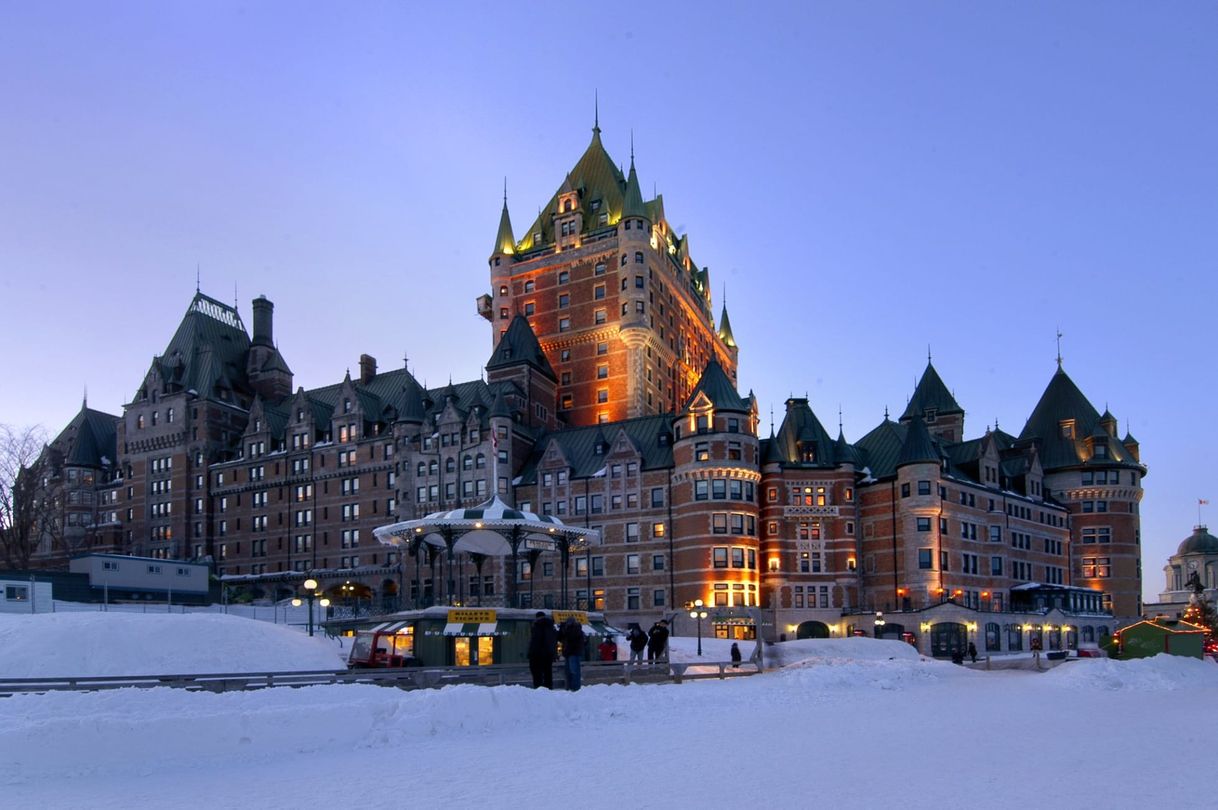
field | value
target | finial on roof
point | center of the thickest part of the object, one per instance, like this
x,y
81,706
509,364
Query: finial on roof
x,y
596,111
928,354
236,300
406,360
771,418
632,146
198,272
839,417
1059,347
505,191
885,413
84,403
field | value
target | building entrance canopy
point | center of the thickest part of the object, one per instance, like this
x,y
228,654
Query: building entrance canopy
x,y
490,529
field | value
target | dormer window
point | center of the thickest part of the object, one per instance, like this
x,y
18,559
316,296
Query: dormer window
x,y
1101,451
537,237
595,206
931,414
1067,428
346,406
503,289
568,205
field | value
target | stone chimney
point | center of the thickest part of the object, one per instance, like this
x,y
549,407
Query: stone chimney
x,y
367,368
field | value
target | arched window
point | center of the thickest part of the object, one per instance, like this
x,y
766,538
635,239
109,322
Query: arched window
x,y
467,463
433,467
623,260
169,415
993,637
638,257
139,422
422,469
481,461
1014,638
450,465
1088,634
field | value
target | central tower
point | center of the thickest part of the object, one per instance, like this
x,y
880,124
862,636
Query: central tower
x,y
619,307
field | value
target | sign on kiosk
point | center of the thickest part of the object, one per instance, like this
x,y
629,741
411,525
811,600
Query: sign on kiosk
x,y
561,616
471,617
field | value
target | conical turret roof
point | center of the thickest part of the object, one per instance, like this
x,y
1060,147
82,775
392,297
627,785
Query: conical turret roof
x,y
633,206
715,384
725,329
917,447
505,242
931,394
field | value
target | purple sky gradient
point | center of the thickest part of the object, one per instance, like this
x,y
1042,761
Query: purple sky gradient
x,y
864,179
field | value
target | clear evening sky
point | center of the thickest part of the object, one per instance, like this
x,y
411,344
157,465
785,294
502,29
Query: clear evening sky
x,y
865,179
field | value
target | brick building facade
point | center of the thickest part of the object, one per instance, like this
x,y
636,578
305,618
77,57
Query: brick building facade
x,y
610,401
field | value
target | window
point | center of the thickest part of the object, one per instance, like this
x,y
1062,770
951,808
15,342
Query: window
x,y
564,276
602,348
632,598
602,371
632,563
924,487
564,324
905,490
719,556
923,524
657,530
719,523
701,451
599,316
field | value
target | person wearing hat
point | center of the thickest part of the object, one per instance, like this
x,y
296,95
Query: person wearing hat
x,y
543,648
657,640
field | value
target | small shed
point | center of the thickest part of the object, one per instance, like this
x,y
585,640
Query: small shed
x,y
1151,637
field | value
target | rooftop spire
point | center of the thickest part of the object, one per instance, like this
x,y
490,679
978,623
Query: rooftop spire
x,y
505,242
596,112
1059,347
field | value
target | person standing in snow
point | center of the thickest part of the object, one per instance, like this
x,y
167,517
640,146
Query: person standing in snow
x,y
608,649
573,651
972,652
543,642
657,641
735,654
638,642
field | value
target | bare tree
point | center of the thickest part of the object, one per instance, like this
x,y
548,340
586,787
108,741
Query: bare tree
x,y
28,509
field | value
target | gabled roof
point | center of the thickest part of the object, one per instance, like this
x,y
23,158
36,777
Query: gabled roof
x,y
88,440
519,345
930,393
715,385
578,446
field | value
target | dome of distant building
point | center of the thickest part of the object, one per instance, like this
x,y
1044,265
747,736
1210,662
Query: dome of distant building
x,y
1199,542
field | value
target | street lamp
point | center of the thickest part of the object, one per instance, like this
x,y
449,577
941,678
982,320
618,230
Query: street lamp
x,y
697,612
879,623
311,593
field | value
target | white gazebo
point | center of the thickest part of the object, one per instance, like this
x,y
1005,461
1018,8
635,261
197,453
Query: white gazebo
x,y
490,529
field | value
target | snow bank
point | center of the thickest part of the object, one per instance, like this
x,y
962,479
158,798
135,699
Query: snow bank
x,y
823,650
1159,673
98,644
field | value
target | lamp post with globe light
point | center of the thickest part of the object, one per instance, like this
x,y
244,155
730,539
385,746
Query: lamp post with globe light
x,y
696,611
879,623
311,593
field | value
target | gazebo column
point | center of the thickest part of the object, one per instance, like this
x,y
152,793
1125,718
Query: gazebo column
x,y
416,551
478,560
564,551
450,584
533,556
513,586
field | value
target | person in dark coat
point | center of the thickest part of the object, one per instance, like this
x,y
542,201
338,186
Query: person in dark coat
x,y
638,642
657,640
735,654
972,652
573,651
543,642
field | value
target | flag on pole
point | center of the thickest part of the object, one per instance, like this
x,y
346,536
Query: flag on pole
x,y
1202,502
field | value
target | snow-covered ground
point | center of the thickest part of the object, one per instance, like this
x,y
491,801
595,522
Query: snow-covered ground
x,y
846,723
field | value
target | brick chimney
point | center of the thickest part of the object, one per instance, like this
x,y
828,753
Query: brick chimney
x,y
367,368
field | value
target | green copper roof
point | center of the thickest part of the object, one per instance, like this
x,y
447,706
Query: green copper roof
x,y
579,445
718,389
505,243
881,447
633,206
1199,542
917,447
1063,403
596,178
801,436
519,345
931,393
88,440
725,329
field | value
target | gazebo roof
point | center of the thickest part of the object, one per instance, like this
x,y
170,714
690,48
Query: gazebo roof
x,y
487,528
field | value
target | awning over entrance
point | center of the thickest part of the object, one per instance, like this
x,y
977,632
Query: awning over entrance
x,y
472,629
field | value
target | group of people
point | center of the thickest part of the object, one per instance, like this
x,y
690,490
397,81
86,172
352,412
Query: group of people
x,y
545,640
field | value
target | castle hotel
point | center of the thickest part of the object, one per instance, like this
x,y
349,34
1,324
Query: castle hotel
x,y
610,402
